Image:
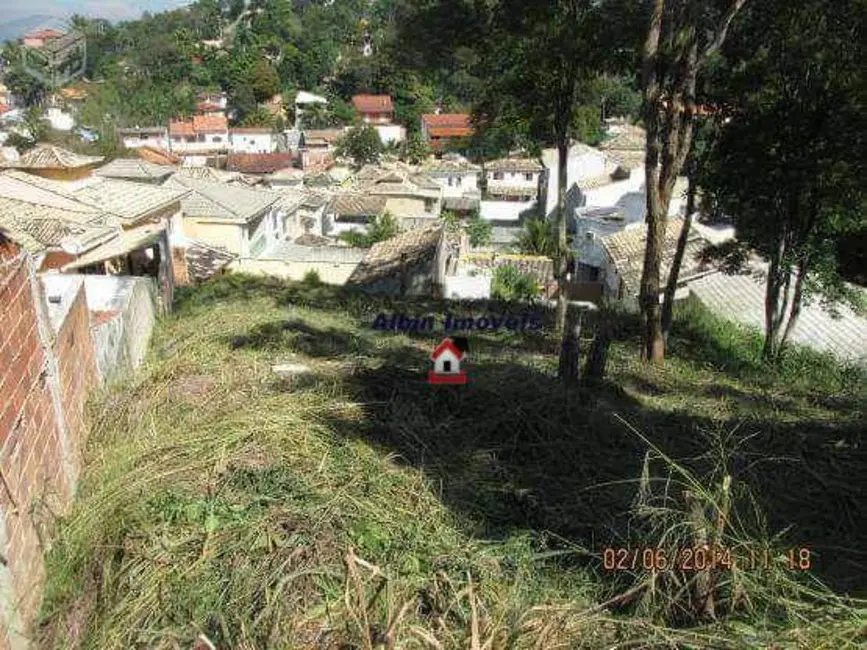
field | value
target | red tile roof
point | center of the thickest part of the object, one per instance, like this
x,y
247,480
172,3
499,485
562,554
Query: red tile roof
x,y
210,124
44,34
259,163
208,107
157,156
4,108
181,129
451,120
449,132
373,104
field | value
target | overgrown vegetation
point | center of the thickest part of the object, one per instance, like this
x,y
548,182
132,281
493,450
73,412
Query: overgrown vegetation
x,y
379,229
509,284
358,507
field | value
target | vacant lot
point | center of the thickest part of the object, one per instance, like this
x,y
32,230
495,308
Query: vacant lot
x,y
356,506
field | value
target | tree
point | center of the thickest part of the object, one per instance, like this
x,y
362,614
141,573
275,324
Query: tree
x,y
789,166
379,229
680,38
361,144
510,284
479,230
415,149
264,80
538,238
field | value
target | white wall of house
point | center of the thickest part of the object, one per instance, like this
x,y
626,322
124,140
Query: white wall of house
x,y
252,142
391,133
59,119
264,232
504,210
337,272
456,184
209,142
467,287
135,140
512,179
582,163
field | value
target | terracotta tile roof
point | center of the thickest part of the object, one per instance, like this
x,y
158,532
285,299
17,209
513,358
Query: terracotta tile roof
x,y
514,165
357,205
452,120
373,104
157,155
626,250
38,227
51,157
259,163
386,259
44,34
150,130
181,129
208,107
210,124
325,135
204,262
449,131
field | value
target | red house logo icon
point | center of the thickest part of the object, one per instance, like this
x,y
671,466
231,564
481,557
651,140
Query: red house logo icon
x,y
447,359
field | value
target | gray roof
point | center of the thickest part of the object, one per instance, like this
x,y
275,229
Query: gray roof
x,y
357,205
461,203
128,200
741,298
407,250
38,227
220,201
134,168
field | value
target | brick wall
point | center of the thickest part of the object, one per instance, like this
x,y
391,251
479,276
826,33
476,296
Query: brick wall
x,y
40,415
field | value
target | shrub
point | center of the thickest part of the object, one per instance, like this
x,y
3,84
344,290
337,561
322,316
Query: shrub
x,y
379,229
510,284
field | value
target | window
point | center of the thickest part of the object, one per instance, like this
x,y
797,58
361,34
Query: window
x,y
447,366
216,138
458,181
429,205
528,176
594,274
451,181
498,176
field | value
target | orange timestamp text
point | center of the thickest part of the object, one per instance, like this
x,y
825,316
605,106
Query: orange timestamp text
x,y
701,558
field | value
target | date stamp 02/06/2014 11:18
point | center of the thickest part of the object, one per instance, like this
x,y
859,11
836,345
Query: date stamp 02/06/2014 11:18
x,y
702,559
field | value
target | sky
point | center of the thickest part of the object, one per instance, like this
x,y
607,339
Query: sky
x,y
110,9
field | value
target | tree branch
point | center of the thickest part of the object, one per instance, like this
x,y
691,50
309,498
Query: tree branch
x,y
720,35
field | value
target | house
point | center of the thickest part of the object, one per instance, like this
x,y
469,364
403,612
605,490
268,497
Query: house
x,y
37,39
242,221
157,155
203,135
447,358
53,162
624,259
293,260
211,103
459,180
512,188
439,129
146,136
259,164
318,146
583,162
413,198
256,139
303,101
625,145
378,111
741,298
351,211
411,264
285,178
136,169
374,109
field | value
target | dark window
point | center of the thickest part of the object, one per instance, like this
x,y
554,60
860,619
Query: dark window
x,y
528,176
447,366
498,176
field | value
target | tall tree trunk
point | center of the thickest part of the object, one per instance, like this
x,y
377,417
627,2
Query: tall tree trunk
x,y
674,273
562,245
797,301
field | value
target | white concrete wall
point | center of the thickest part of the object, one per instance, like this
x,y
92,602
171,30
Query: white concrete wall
x,y
390,133
133,142
329,272
465,287
209,142
469,182
581,164
60,121
504,210
252,142
513,179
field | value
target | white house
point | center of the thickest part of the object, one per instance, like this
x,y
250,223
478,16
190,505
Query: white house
x,y
60,120
583,162
455,174
145,136
252,140
303,100
512,188
203,135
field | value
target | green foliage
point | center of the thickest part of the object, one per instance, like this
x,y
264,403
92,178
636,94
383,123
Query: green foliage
x,y
312,278
264,81
415,149
538,237
20,142
361,144
259,116
378,229
509,284
479,230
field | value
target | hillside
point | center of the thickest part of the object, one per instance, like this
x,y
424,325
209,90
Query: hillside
x,y
359,507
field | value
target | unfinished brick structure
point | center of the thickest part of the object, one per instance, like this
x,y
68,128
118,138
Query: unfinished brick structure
x,y
46,372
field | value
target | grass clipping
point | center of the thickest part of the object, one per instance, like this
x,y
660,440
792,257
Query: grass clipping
x,y
221,510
